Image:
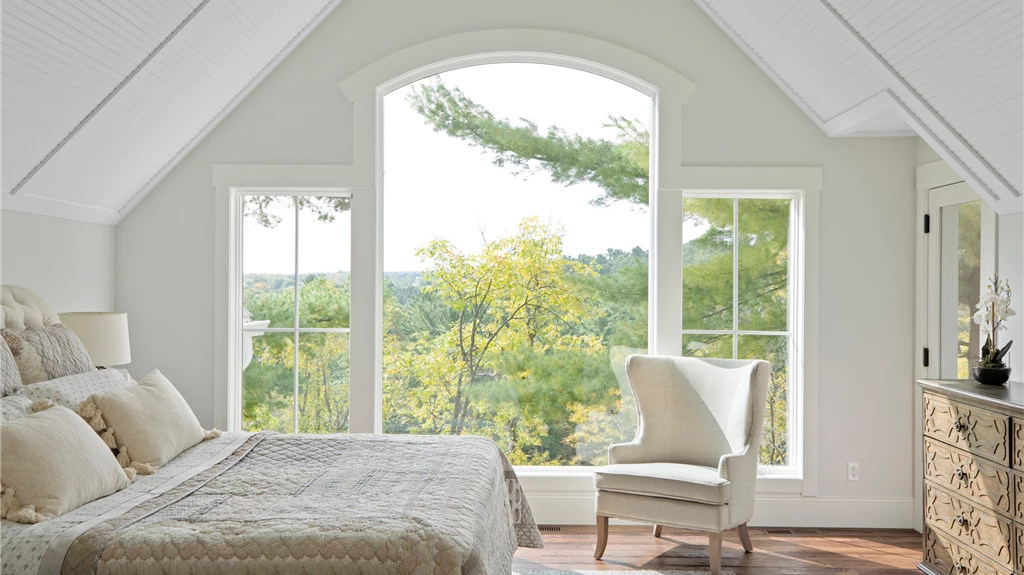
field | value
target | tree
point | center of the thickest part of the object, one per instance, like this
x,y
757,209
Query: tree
x,y
515,296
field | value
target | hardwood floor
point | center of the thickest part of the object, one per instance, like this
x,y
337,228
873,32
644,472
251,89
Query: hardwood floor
x,y
848,551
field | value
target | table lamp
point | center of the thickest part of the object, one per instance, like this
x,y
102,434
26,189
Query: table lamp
x,y
104,335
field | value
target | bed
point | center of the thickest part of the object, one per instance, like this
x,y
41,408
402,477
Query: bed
x,y
272,503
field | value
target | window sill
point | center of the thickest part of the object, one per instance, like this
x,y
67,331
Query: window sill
x,y
541,478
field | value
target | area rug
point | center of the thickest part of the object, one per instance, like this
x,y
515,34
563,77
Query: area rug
x,y
610,572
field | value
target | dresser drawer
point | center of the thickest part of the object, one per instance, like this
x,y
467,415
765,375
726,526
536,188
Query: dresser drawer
x,y
945,555
1018,496
972,429
982,531
984,483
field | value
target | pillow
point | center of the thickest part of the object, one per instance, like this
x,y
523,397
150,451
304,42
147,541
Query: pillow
x,y
71,390
51,462
10,379
150,422
47,352
13,407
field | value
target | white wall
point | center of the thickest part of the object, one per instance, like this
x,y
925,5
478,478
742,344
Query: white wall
x,y
1011,267
736,117
69,263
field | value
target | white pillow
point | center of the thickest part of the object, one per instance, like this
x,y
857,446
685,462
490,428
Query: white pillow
x,y
10,377
14,407
71,390
51,462
150,422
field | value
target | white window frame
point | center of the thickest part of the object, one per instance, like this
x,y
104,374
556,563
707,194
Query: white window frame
x,y
802,186
231,182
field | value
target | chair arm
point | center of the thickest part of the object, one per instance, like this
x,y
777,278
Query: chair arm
x,y
627,453
739,466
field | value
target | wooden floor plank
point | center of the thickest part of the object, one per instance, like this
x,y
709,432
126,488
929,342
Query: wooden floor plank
x,y
847,551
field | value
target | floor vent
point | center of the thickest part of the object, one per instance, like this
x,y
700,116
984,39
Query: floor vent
x,y
802,532
550,528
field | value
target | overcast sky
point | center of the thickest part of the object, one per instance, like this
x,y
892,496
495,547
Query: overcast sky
x,y
437,186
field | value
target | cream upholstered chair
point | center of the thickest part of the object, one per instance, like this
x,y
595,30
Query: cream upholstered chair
x,y
693,463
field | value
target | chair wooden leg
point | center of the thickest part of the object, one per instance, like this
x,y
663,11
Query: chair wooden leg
x,y
602,536
715,553
657,531
745,538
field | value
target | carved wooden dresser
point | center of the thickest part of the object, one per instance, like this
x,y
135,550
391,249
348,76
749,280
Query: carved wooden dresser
x,y
973,478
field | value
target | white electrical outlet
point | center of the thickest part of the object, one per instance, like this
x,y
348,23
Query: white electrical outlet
x,y
853,471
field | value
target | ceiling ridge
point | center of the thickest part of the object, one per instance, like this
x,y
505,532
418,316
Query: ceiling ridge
x,y
107,99
228,108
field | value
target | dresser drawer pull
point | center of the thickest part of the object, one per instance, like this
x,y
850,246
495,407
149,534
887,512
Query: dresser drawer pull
x,y
960,473
961,520
960,567
959,426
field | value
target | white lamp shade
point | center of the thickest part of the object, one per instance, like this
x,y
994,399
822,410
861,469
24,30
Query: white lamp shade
x,y
104,334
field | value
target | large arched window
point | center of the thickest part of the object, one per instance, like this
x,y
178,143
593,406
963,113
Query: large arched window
x,y
517,231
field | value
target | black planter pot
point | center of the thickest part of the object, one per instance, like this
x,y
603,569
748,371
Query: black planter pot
x,y
990,375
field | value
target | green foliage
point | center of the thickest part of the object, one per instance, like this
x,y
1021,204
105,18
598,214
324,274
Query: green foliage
x,y
621,168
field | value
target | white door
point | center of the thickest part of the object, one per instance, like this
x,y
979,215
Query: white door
x,y
960,262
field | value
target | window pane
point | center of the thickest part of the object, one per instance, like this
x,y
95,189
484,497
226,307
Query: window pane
x,y
268,261
323,383
325,255
515,281
716,346
707,263
775,350
960,289
268,382
763,264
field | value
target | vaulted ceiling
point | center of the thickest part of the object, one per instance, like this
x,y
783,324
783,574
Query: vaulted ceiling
x,y
101,98
947,70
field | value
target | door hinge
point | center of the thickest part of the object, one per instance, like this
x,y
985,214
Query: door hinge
x,y
927,224
926,357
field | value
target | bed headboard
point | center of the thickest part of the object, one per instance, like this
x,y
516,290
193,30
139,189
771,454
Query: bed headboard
x,y
21,308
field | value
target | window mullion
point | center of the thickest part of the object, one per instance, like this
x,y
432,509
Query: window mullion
x,y
735,277
295,324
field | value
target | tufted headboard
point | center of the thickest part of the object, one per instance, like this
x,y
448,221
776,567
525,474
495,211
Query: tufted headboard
x,y
21,307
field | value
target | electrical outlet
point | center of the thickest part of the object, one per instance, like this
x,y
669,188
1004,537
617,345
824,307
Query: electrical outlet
x,y
853,471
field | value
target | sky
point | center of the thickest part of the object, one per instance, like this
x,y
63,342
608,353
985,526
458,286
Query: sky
x,y
437,186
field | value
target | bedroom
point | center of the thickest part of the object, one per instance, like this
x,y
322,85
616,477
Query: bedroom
x,y
136,134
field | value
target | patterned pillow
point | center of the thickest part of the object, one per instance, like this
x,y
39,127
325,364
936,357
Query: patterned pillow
x,y
14,407
70,391
47,352
10,379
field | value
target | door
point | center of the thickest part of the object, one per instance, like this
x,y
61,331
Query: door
x,y
960,262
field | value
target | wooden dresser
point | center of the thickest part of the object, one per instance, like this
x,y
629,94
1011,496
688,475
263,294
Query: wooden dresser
x,y
973,478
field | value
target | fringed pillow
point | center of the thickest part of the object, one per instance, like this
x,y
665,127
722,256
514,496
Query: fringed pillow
x,y
51,462
147,424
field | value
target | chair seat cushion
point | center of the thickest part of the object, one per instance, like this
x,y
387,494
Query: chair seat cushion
x,y
668,480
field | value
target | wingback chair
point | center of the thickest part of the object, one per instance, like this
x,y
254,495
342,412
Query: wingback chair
x,y
693,463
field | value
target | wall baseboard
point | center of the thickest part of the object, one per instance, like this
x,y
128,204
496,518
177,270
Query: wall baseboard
x,y
576,507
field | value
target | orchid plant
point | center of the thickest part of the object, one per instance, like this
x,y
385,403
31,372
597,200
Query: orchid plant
x,y
993,309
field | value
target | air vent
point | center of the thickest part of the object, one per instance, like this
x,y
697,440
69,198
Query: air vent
x,y
799,532
550,528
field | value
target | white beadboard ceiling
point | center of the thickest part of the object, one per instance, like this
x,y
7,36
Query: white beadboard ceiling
x,y
951,71
101,98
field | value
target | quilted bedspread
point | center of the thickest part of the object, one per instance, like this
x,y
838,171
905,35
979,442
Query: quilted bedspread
x,y
268,504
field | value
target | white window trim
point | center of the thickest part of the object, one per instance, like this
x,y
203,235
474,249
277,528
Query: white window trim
x,y
803,185
230,182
